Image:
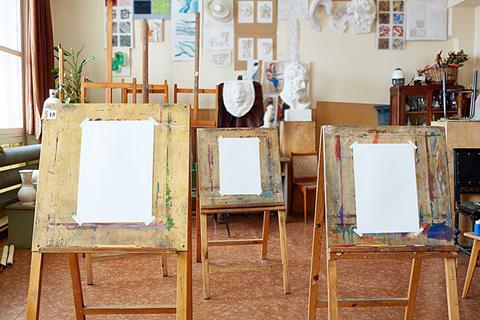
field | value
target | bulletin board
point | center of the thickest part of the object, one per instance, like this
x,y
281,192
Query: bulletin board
x,y
255,25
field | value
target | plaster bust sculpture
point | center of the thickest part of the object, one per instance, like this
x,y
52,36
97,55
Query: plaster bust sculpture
x,y
328,4
295,91
238,97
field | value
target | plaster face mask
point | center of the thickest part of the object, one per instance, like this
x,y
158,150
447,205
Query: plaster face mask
x,y
238,97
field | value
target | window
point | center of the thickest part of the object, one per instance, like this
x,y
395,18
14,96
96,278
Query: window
x,y
11,66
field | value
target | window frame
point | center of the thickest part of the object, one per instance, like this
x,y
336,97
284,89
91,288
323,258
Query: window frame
x,y
17,135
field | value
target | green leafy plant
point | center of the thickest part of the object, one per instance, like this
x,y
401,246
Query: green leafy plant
x,y
73,72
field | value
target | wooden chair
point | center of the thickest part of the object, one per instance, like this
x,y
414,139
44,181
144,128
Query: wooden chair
x,y
304,173
152,89
466,181
196,121
472,263
107,86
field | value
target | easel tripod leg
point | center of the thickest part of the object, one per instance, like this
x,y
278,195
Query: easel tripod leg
x,y
471,267
265,233
182,286
283,249
452,294
34,286
89,265
205,267
412,288
332,290
197,224
77,286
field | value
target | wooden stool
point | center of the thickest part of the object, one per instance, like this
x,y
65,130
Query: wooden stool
x,y
263,241
472,263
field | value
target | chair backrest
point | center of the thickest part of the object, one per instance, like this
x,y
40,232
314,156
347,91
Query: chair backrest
x,y
122,86
304,166
199,123
152,89
466,172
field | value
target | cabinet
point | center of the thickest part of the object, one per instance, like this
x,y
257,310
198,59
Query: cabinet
x,y
420,105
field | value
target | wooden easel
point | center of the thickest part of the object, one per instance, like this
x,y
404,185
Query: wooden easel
x,y
55,231
344,245
211,202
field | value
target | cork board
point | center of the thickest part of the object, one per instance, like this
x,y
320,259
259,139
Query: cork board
x,y
254,27
431,177
209,176
54,226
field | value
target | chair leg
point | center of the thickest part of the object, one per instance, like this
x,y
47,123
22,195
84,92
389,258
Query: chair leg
x,y
471,267
283,250
304,191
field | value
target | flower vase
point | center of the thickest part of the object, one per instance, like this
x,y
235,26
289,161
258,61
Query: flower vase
x,y
27,193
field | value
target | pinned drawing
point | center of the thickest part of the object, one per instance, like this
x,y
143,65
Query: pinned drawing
x,y
156,31
219,58
245,12
184,29
292,9
272,80
264,11
245,49
265,49
122,24
151,9
121,62
218,39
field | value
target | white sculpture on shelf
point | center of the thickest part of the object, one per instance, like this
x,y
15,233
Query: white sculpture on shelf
x,y
238,97
295,91
359,14
328,4
269,117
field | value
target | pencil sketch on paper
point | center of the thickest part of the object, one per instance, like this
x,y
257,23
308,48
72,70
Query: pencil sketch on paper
x,y
264,11
220,58
222,39
245,12
245,49
265,49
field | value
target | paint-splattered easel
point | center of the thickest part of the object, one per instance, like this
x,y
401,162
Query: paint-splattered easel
x,y
211,202
56,232
335,216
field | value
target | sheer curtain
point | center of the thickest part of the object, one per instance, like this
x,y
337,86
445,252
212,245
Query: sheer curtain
x,y
39,62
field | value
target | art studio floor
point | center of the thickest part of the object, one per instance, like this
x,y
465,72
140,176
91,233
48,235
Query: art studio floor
x,y
136,279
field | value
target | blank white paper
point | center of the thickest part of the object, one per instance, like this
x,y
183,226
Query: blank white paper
x,y
385,188
239,161
116,172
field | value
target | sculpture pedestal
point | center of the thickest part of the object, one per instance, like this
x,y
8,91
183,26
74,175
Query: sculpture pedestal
x,y
298,115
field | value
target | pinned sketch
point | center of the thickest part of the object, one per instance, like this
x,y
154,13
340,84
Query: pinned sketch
x,y
219,58
183,28
122,24
121,66
218,38
426,20
156,31
272,77
245,12
115,186
151,9
265,49
264,12
385,188
239,166
245,49
253,70
292,9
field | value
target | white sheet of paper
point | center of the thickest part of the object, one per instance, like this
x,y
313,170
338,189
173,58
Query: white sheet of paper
x,y
385,188
426,19
239,160
116,172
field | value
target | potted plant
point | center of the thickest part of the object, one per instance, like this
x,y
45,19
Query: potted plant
x,y
450,65
73,72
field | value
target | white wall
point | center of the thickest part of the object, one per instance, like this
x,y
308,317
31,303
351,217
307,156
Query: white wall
x,y
345,67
